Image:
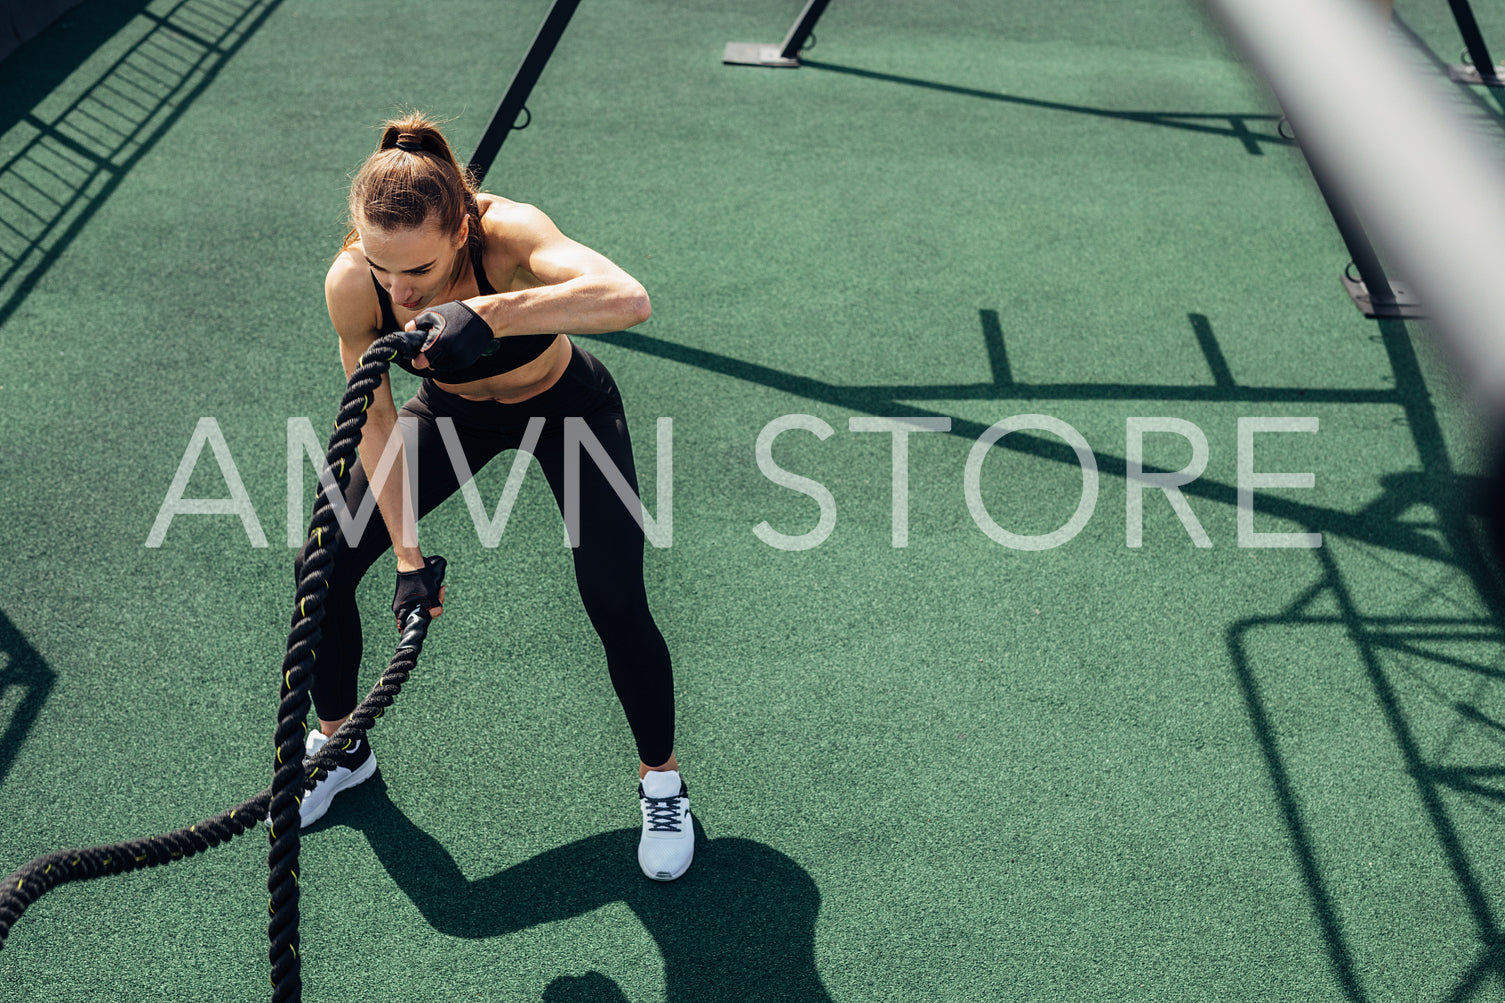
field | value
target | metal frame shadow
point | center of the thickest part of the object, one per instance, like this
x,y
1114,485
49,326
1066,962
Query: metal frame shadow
x,y
1438,486
72,161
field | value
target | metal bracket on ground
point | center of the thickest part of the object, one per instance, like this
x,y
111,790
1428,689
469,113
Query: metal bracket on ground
x,y
1402,304
756,54
1468,73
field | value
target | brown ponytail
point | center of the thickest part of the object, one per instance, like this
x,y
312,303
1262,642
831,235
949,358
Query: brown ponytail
x,y
412,178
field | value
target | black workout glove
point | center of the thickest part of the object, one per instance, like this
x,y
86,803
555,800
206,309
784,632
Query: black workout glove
x,y
453,335
418,589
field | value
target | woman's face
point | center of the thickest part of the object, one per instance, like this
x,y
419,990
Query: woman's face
x,y
414,266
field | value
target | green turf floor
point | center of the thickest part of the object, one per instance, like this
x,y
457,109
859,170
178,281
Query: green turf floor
x,y
952,770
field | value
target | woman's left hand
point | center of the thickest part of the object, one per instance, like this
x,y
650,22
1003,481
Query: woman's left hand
x,y
422,589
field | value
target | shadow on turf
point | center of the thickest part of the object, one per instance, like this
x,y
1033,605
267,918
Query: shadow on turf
x,y
1453,540
1391,651
74,159
44,62
740,925
1237,127
1373,639
894,401
21,669
1475,94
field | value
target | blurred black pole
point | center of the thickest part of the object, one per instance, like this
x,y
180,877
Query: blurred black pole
x,y
514,101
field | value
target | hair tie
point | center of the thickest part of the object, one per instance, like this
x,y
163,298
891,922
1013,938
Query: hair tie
x,y
409,142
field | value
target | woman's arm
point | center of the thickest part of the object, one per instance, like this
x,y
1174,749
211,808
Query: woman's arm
x,y
583,291
347,294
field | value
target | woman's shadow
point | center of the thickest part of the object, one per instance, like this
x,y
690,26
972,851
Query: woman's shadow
x,y
740,926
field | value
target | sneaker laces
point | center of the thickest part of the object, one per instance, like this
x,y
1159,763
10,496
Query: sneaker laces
x,y
662,814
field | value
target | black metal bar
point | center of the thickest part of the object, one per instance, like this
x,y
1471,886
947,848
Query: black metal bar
x,y
787,52
521,86
1354,238
1373,293
799,32
1472,39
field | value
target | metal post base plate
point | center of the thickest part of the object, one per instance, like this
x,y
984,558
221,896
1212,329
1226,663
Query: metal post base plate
x,y
1403,306
755,54
1467,73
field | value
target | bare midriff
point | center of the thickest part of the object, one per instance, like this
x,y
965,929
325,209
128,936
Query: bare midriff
x,y
517,385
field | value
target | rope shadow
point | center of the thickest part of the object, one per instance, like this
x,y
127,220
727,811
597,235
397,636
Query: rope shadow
x,y
72,161
1237,122
739,925
22,668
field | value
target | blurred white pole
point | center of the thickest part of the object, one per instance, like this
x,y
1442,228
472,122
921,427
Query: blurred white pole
x,y
1429,192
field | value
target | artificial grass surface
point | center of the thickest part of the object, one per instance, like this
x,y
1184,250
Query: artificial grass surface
x,y
948,771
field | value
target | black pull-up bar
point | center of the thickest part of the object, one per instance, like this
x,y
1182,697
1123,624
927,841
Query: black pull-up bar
x,y
787,52
515,101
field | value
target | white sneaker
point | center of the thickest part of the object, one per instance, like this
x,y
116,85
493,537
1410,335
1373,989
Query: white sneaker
x,y
668,842
316,802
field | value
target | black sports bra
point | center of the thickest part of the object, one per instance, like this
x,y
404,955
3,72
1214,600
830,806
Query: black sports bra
x,y
503,354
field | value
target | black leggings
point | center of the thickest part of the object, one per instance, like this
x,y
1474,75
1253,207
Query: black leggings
x,y
609,542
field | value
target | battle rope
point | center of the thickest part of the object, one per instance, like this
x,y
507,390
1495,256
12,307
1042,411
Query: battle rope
x,y
292,776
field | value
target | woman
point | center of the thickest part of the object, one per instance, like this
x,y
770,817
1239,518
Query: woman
x,y
496,289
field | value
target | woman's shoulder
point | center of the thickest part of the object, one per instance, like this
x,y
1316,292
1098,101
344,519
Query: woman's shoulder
x,y
505,220
348,272
348,292
500,207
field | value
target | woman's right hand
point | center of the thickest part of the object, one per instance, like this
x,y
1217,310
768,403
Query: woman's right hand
x,y
421,588
448,336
